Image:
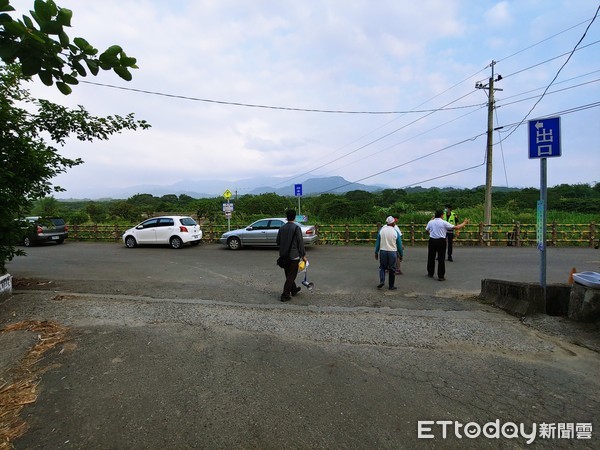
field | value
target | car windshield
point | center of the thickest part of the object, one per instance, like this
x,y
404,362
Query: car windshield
x,y
188,221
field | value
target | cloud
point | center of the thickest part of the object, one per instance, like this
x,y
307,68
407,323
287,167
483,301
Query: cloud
x,y
356,56
499,15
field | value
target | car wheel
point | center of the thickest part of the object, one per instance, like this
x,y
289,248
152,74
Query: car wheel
x,y
27,242
130,242
234,243
176,242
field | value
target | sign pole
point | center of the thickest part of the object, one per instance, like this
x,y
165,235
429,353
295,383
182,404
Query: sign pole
x,y
544,224
298,193
227,208
544,143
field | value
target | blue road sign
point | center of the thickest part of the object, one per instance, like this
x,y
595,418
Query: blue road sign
x,y
298,190
544,138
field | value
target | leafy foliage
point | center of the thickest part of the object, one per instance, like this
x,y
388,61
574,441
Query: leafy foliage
x,y
41,46
516,205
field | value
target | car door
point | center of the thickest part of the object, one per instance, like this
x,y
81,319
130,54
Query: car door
x,y
274,226
145,233
165,228
256,234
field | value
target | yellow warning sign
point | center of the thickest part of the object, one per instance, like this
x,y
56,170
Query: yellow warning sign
x,y
227,194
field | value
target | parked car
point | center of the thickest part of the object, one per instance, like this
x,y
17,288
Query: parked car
x,y
38,230
173,230
263,232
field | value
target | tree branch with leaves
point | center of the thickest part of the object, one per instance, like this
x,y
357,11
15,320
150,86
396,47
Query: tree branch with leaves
x,y
41,46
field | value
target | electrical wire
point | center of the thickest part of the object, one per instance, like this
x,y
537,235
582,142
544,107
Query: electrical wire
x,y
408,162
374,141
555,76
547,93
543,40
250,105
550,60
562,113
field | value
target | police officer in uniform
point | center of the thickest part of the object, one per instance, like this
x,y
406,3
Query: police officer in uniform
x,y
452,218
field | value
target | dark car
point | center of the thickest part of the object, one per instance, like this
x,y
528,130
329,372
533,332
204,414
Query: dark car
x,y
38,230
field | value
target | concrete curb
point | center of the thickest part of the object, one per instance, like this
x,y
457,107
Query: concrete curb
x,y
524,299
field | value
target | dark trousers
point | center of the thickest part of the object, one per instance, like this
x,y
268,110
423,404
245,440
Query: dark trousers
x,y
291,272
436,249
449,239
387,263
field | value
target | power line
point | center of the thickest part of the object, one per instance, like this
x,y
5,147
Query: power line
x,y
407,162
375,140
543,40
547,93
557,73
562,113
551,59
283,108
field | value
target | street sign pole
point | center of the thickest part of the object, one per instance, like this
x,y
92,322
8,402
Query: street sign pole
x,y
544,224
298,193
544,143
227,208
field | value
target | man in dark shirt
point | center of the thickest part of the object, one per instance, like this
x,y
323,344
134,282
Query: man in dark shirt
x,y
291,244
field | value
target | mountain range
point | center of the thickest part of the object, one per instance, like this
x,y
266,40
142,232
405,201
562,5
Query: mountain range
x,y
254,186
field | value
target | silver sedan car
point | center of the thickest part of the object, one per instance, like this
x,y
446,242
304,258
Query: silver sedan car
x,y
263,232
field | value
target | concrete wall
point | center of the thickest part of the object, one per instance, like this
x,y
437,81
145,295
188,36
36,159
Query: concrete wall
x,y
523,299
584,304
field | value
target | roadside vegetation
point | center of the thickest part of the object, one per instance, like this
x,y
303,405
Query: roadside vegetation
x,y
567,204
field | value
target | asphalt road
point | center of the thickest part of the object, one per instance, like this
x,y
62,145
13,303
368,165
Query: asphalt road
x,y
191,348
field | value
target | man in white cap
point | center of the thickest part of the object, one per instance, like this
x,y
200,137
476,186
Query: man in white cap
x,y
387,248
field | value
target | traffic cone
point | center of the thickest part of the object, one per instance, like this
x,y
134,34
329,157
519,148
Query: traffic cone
x,y
573,270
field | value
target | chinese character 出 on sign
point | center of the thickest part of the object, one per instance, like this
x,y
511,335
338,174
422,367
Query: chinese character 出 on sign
x,y
544,138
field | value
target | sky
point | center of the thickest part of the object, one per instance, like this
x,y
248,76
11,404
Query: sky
x,y
240,89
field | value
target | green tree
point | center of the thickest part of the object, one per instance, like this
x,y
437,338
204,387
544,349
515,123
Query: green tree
x,y
123,210
96,212
32,128
144,203
210,208
269,204
47,206
77,218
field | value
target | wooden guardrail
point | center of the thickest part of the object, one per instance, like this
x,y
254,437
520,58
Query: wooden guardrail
x,y
515,234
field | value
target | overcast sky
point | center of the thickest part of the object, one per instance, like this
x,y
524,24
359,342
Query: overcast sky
x,y
420,60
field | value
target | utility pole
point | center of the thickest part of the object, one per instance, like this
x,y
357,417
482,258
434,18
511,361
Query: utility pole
x,y
487,214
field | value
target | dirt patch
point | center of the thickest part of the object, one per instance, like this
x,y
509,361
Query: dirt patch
x,y
22,388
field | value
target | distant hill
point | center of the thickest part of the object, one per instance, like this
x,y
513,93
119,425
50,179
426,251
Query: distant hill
x,y
255,186
315,186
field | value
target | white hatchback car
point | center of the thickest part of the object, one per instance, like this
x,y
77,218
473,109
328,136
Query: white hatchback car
x,y
173,230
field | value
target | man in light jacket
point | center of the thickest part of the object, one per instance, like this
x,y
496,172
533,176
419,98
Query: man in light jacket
x,y
387,248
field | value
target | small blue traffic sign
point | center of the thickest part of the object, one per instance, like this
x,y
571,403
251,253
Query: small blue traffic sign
x,y
544,138
298,190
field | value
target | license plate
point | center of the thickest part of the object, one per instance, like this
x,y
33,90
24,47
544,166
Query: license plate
x,y
196,236
55,238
